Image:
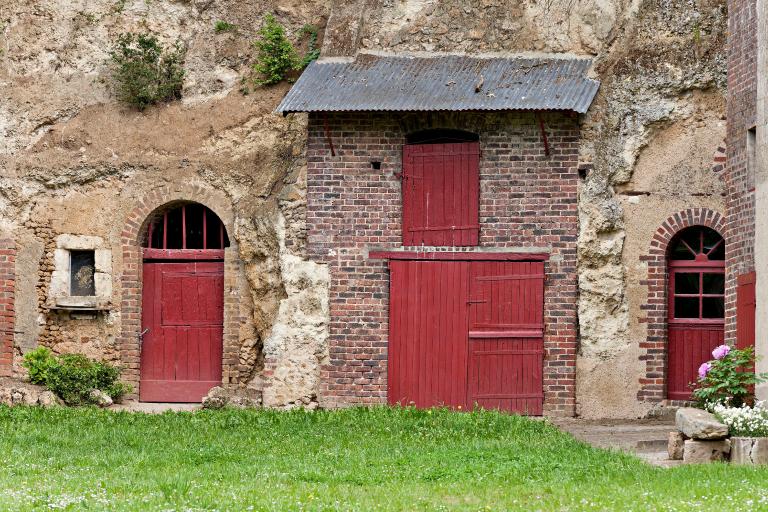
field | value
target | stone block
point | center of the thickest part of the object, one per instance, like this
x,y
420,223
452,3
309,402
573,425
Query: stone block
x,y
103,284
702,452
675,445
699,424
78,242
749,450
103,260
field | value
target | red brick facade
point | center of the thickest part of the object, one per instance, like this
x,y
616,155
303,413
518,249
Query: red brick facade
x,y
740,200
527,200
7,285
653,387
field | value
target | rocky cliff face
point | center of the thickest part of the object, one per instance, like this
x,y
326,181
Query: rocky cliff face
x,y
72,160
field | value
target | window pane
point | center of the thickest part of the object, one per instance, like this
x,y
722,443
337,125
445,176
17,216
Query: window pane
x,y
711,239
157,234
681,252
686,307
174,240
194,226
713,307
82,265
714,283
718,254
686,283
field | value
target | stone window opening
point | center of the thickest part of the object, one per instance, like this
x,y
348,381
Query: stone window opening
x,y
82,275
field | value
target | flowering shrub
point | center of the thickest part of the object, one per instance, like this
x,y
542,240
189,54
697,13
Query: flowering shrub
x,y
727,379
744,421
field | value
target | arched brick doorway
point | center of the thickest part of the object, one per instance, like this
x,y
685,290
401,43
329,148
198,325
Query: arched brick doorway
x,y
696,305
182,303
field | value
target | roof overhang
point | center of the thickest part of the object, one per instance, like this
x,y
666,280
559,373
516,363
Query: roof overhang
x,y
398,83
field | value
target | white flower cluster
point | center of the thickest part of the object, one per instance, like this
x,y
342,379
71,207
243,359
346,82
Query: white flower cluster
x,y
744,421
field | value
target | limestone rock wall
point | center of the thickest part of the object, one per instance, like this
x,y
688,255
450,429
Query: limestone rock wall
x,y
74,161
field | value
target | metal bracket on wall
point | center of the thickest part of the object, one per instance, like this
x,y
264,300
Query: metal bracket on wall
x,y
543,131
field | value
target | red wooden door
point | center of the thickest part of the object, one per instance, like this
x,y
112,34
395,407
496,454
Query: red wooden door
x,y
506,336
441,194
466,333
182,317
696,306
427,363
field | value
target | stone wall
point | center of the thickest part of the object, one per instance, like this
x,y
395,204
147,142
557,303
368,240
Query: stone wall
x,y
527,201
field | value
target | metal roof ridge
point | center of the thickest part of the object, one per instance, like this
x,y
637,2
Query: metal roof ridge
x,y
481,55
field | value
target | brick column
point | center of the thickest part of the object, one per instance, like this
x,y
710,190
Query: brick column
x,y
7,283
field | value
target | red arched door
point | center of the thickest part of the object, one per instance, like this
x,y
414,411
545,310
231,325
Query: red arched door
x,y
182,305
696,305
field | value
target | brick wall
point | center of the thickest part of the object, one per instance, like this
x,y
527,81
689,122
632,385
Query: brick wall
x,y
740,200
527,200
7,284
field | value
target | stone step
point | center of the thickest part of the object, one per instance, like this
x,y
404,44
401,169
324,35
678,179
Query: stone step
x,y
652,445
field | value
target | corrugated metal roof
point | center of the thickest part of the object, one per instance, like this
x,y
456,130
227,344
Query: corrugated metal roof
x,y
445,82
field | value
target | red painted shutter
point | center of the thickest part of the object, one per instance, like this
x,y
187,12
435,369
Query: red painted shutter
x,y
441,194
745,310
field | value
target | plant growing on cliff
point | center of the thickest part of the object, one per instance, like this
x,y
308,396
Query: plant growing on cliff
x,y
144,71
727,379
276,56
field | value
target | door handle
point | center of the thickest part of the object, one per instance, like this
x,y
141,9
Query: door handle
x,y
141,335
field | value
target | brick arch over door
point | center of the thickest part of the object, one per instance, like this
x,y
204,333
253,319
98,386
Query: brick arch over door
x,y
654,348
133,234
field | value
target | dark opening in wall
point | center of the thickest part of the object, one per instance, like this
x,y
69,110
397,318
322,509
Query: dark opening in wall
x,y
82,267
441,136
189,226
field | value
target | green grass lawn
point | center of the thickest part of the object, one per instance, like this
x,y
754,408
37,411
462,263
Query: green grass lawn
x,y
356,459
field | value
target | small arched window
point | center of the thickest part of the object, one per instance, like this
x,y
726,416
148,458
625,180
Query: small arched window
x,y
188,226
697,274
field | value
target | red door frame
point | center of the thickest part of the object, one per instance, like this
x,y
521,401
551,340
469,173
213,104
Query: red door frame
x,y
151,390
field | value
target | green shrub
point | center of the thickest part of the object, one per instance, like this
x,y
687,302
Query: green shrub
x,y
39,362
223,26
144,72
73,376
276,55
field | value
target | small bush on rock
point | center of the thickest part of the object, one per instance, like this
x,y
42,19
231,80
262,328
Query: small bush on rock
x,y
38,363
744,421
73,377
144,72
276,56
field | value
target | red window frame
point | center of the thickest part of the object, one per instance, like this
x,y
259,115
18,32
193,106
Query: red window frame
x,y
701,265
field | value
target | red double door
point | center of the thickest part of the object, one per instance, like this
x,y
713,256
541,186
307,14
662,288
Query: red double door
x,y
466,334
182,321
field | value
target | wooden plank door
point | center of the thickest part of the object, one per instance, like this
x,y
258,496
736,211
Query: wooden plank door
x,y
427,364
506,336
182,316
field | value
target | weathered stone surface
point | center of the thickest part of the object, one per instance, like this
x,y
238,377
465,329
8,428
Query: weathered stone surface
x,y
100,398
48,399
219,397
702,452
699,424
749,450
676,445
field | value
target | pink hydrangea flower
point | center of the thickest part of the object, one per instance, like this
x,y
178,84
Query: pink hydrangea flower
x,y
704,370
721,351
